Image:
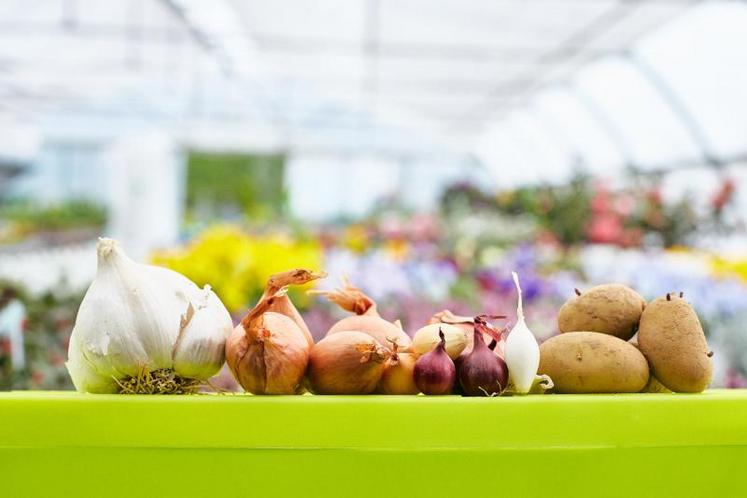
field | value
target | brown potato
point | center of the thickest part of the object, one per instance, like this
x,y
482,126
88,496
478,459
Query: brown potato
x,y
590,362
612,309
654,386
672,339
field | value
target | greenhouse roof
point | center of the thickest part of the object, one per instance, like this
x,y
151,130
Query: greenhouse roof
x,y
534,88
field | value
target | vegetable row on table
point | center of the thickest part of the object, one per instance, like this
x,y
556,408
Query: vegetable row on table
x,y
145,329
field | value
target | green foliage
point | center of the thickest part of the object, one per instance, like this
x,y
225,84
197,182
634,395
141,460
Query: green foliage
x,y
49,322
220,184
562,210
565,211
61,216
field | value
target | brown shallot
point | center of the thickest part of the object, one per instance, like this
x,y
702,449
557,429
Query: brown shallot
x,y
347,363
366,318
269,350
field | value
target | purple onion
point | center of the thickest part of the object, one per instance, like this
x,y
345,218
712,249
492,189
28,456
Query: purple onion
x,y
435,372
481,372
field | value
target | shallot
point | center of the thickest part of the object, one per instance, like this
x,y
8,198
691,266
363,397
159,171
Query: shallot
x,y
366,318
428,338
399,375
482,372
467,324
347,363
435,372
269,350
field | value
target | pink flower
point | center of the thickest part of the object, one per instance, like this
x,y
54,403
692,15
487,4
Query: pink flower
x,y
605,229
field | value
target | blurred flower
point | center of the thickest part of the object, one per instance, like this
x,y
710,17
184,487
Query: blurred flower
x,y
355,238
605,228
724,267
724,194
237,264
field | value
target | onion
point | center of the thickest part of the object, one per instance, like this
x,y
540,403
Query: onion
x,y
269,356
428,337
347,363
467,324
481,372
434,371
367,319
398,376
269,350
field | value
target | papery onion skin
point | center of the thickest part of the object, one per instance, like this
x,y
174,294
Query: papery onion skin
x,y
434,372
366,319
481,372
268,352
378,328
346,363
282,303
467,324
270,357
399,375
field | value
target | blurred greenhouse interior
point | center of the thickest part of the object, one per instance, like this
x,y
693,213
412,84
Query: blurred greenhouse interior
x,y
423,148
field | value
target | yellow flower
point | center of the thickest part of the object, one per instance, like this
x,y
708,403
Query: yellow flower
x,y
398,249
237,264
722,266
355,238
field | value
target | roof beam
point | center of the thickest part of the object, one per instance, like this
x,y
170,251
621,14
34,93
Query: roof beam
x,y
581,37
668,94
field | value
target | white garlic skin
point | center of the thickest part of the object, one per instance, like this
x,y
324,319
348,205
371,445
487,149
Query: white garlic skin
x,y
197,353
521,351
130,320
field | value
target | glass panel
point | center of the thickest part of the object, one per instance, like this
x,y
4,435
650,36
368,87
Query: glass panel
x,y
702,55
654,134
597,152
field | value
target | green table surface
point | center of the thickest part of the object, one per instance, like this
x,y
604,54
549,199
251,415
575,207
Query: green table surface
x,y
70,444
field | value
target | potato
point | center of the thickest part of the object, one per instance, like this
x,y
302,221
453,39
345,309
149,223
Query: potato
x,y
654,386
590,362
672,339
610,309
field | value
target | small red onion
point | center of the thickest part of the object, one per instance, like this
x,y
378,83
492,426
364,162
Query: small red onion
x,y
482,372
434,371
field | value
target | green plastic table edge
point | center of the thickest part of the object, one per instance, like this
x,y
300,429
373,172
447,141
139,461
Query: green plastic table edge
x,y
68,419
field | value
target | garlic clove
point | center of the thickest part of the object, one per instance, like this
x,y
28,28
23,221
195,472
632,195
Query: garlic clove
x,y
137,312
85,377
105,331
199,351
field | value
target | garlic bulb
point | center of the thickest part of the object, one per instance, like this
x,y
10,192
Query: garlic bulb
x,y
142,328
521,350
